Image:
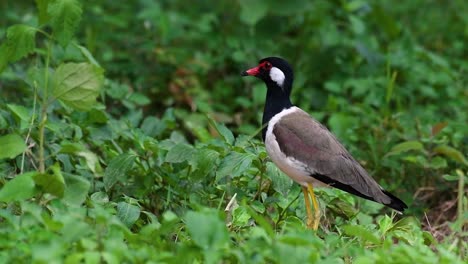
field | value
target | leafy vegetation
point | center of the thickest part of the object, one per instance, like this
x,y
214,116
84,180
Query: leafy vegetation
x,y
127,135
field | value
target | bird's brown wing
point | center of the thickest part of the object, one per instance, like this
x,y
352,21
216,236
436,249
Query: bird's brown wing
x,y
309,142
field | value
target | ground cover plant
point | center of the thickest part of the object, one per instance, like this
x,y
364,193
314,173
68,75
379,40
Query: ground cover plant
x,y
128,136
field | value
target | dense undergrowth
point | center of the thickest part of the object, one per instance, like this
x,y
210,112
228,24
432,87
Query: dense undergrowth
x,y
127,135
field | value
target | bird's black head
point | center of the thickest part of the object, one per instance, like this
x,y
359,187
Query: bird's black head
x,y
275,72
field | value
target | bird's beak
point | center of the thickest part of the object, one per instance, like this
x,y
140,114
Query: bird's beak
x,y
251,72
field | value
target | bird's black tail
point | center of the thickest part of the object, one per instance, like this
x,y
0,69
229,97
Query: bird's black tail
x,y
395,203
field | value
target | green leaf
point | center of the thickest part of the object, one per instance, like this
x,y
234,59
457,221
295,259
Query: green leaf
x,y
180,153
405,147
234,164
42,6
117,169
128,213
451,153
11,146
77,149
51,183
76,190
252,11
223,131
20,41
206,161
206,229
65,16
19,188
281,182
362,233
77,85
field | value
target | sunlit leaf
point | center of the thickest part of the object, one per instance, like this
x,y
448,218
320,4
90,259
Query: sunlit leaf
x,y
405,147
234,164
77,84
128,213
452,153
19,188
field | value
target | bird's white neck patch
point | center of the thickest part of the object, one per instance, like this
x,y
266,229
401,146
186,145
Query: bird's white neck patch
x,y
277,76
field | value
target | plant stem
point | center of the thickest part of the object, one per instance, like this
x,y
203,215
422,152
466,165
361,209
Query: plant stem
x,y
44,113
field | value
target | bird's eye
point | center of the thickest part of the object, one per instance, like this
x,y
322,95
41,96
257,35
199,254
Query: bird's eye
x,y
267,65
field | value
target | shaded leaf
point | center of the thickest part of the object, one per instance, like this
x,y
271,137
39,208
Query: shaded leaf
x,y
128,213
252,11
117,169
19,188
20,41
65,17
77,149
11,146
42,6
180,153
281,182
77,85
234,164
51,183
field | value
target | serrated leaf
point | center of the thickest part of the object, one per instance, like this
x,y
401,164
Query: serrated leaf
x,y
405,146
77,84
362,233
76,190
234,164
180,153
20,41
128,213
19,188
451,153
51,183
11,146
42,6
117,169
65,15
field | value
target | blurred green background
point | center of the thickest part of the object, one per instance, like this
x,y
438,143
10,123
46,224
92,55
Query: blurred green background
x,y
388,78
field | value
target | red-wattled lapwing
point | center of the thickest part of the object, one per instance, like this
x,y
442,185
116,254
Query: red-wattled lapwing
x,y
305,150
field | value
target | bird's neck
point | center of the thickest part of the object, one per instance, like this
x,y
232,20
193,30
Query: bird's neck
x,y
276,101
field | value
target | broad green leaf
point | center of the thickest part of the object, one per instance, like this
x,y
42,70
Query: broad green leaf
x,y
405,146
234,164
20,112
76,190
79,150
223,131
362,233
19,188
206,161
281,182
117,169
51,183
180,153
77,85
42,6
206,229
11,146
128,213
65,15
451,153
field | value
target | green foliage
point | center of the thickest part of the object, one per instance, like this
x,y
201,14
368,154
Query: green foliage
x,y
160,160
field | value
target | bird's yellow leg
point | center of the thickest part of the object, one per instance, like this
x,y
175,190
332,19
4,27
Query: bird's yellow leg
x,y
308,208
316,217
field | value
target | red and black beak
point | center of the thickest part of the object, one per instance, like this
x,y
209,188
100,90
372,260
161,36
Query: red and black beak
x,y
251,72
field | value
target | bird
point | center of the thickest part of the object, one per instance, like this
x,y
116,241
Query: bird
x,y
305,150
